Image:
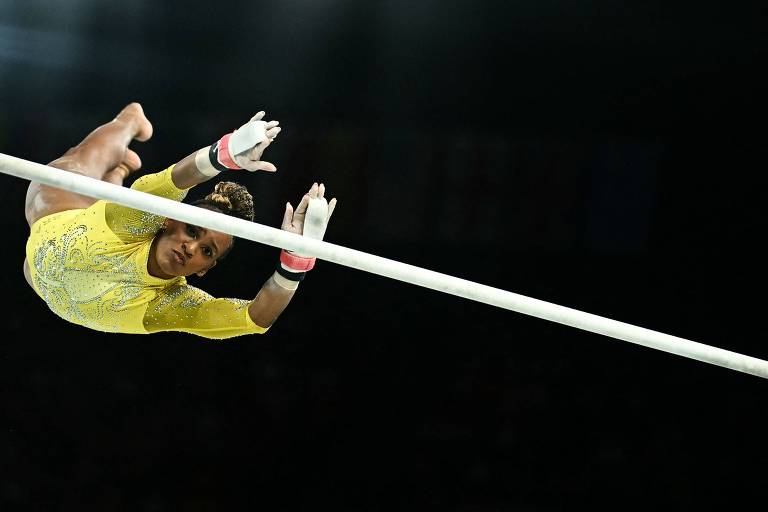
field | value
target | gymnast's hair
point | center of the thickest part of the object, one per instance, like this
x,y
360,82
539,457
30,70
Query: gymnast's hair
x,y
228,198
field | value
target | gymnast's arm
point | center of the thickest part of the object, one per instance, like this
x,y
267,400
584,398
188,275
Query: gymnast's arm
x,y
309,219
271,301
241,149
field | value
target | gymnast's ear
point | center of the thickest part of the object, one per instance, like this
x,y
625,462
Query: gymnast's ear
x,y
202,272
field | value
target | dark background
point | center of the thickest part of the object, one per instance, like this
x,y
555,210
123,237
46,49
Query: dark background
x,y
606,156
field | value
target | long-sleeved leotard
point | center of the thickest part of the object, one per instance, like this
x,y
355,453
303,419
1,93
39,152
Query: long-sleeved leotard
x,y
90,267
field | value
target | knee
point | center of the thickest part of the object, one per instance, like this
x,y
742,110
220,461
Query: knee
x,y
66,157
92,158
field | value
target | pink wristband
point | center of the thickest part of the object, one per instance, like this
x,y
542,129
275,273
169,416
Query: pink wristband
x,y
297,263
223,155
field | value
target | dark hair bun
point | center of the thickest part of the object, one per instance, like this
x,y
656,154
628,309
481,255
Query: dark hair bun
x,y
230,198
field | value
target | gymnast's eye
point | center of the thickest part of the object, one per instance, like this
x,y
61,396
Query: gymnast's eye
x,y
207,252
192,231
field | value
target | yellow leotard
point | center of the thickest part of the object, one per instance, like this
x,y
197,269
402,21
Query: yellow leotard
x,y
90,267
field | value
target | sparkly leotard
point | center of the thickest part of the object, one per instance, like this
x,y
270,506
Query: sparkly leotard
x,y
90,267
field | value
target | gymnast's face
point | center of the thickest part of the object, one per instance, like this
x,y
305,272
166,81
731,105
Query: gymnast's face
x,y
183,249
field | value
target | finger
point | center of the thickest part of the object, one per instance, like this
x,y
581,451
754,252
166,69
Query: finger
x,y
302,208
331,206
258,115
261,165
313,191
320,191
271,124
287,216
255,152
272,132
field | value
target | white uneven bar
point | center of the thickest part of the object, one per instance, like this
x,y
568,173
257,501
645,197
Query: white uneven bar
x,y
381,266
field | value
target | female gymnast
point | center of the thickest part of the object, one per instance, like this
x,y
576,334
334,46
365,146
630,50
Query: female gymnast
x,y
115,269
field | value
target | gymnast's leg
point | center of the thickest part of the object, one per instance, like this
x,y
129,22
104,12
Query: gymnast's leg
x,y
103,155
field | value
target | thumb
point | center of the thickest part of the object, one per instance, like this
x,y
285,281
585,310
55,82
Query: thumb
x,y
287,216
260,165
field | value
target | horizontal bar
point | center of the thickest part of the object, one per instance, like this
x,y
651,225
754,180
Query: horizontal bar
x,y
382,266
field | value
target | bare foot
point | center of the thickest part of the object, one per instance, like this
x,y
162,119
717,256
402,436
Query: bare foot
x,y
133,113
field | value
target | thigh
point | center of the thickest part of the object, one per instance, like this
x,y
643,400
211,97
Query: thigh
x,y
43,200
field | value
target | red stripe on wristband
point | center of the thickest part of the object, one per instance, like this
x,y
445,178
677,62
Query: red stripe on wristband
x,y
223,155
297,263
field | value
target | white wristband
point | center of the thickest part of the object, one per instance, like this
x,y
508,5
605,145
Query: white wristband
x,y
204,164
285,283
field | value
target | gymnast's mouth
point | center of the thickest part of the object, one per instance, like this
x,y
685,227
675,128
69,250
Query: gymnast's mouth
x,y
179,257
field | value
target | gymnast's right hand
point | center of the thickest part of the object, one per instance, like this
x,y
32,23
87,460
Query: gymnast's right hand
x,y
312,215
310,219
242,149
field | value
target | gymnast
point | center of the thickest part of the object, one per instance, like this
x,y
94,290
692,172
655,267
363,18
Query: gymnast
x,y
115,269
